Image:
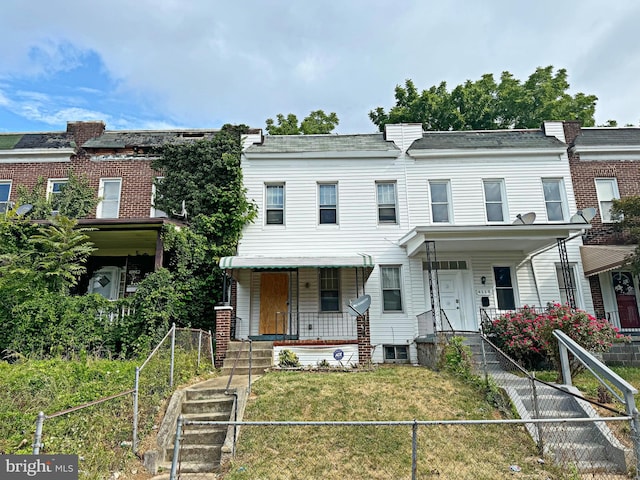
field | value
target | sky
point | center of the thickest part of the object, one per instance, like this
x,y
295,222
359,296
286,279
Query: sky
x,y
158,64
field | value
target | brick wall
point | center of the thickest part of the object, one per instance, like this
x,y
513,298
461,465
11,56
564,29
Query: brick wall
x,y
364,339
223,333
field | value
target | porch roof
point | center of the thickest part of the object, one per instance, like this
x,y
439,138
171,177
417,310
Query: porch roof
x,y
262,262
524,238
602,258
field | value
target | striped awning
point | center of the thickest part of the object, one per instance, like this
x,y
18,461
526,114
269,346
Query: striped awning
x,y
333,261
602,258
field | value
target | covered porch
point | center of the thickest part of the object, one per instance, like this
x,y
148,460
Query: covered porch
x,y
471,270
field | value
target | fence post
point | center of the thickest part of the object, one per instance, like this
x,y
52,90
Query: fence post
x,y
176,449
485,368
536,412
414,450
564,362
250,364
199,349
213,362
173,353
37,440
134,441
635,428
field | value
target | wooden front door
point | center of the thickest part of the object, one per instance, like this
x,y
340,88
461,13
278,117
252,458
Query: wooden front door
x,y
274,303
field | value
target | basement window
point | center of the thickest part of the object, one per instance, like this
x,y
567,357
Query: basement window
x,y
396,354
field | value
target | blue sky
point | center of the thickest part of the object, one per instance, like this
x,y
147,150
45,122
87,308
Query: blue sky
x,y
199,64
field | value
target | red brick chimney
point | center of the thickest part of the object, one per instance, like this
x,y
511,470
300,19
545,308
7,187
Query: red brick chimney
x,y
83,131
571,131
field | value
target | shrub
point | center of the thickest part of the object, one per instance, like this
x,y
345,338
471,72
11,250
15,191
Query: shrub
x,y
287,358
527,335
456,358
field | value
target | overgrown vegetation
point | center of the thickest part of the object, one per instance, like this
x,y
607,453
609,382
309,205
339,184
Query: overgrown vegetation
x,y
626,213
527,334
288,358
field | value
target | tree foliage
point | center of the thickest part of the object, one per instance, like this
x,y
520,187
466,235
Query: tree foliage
x,y
626,211
485,104
317,122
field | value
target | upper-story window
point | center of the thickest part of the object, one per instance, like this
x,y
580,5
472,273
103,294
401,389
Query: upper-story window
x,y
5,191
386,197
329,290
156,212
54,188
275,204
109,193
607,189
440,201
494,200
391,289
328,203
554,199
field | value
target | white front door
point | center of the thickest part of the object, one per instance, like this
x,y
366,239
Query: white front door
x,y
451,299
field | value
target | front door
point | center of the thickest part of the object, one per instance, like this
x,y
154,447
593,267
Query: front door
x,y
626,299
451,299
274,303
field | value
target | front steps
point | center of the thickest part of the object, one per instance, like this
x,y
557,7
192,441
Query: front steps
x,y
201,445
262,353
590,446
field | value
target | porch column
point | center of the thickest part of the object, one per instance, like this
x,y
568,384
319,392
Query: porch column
x,y
223,333
364,339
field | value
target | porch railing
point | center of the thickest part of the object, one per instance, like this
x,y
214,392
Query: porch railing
x,y
316,325
429,325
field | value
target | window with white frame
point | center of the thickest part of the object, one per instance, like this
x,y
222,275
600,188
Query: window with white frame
x,y
554,199
5,191
607,190
440,201
391,289
494,200
109,193
505,292
156,212
386,198
54,188
328,203
329,290
274,204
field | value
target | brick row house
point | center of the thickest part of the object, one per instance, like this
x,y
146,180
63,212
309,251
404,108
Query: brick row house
x,y
605,165
118,167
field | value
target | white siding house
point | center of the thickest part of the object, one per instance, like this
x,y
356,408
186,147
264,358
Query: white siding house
x,y
343,216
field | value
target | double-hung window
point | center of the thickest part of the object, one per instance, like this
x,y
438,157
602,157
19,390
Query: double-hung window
x,y
391,289
554,199
109,206
328,203
54,188
607,189
494,200
329,290
440,201
5,191
504,288
275,204
156,212
386,198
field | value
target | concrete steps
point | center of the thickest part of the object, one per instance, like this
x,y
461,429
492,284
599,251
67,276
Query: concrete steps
x,y
262,358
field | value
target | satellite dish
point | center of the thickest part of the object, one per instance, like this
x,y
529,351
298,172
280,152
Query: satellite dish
x,y
526,219
359,306
584,216
24,209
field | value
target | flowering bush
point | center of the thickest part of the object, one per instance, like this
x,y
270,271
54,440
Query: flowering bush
x,y
527,335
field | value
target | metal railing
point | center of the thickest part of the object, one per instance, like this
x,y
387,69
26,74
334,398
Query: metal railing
x,y
37,444
428,323
316,325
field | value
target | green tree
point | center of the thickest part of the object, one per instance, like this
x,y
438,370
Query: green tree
x,y
627,213
486,104
317,122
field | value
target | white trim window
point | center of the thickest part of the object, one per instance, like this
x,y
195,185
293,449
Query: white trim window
x,y
109,193
274,203
440,193
5,192
494,195
607,191
54,188
386,200
156,212
329,289
391,288
554,199
328,203
505,291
